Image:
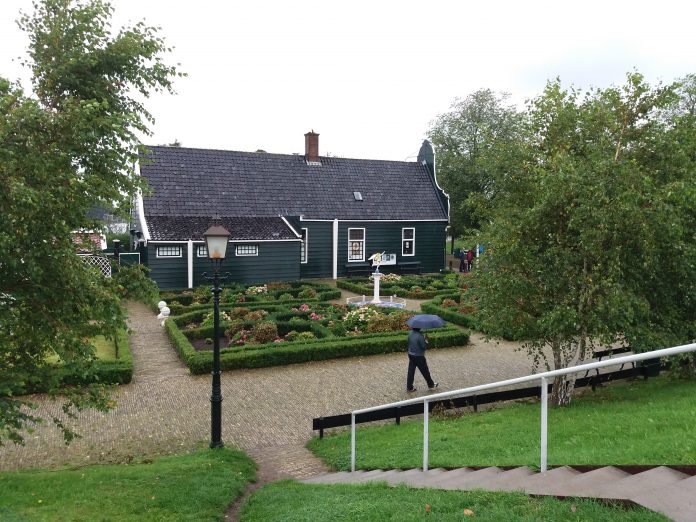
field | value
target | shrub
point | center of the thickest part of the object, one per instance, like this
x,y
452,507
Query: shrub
x,y
208,340
132,282
255,315
388,322
305,335
256,290
284,297
201,295
357,319
307,293
235,326
264,332
238,312
448,303
278,285
337,328
291,335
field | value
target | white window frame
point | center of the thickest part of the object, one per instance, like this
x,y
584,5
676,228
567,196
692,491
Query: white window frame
x,y
168,256
200,248
356,241
304,247
403,242
237,247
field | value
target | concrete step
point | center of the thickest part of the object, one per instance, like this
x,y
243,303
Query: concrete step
x,y
367,476
328,478
444,478
539,483
676,501
631,485
510,480
423,478
596,479
660,489
403,476
471,480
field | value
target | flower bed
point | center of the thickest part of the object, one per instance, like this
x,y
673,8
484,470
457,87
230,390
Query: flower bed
x,y
410,286
296,292
280,334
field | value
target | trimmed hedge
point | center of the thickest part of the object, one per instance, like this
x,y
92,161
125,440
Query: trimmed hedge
x,y
362,286
276,354
433,307
101,371
178,309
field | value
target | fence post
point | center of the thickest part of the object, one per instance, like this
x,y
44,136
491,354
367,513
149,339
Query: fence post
x,y
544,418
425,434
352,441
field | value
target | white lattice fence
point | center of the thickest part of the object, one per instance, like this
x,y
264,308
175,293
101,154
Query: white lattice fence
x,y
102,263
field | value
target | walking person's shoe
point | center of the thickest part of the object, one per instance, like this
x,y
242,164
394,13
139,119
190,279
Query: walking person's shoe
x,y
411,389
435,385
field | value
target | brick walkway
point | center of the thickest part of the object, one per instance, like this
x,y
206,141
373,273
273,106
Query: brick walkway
x,y
267,411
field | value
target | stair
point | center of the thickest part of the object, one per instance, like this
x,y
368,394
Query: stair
x,y
660,489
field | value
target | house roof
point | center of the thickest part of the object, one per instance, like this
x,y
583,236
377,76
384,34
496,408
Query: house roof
x,y
189,182
178,228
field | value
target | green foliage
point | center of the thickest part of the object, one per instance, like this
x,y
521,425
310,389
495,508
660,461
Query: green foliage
x,y
155,490
65,148
292,501
591,235
470,141
637,412
264,332
132,282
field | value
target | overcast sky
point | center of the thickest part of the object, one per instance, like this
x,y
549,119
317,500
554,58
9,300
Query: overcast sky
x,y
370,76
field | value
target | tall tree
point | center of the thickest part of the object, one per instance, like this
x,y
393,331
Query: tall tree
x,y
68,146
469,140
588,235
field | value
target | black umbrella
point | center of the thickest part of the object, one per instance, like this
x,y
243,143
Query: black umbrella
x,y
426,321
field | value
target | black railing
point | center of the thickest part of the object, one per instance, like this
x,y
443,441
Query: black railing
x,y
647,369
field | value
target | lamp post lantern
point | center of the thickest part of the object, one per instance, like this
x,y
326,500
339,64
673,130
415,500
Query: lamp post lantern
x,y
216,240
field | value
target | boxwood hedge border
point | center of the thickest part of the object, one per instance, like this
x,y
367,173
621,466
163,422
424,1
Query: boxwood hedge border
x,y
293,352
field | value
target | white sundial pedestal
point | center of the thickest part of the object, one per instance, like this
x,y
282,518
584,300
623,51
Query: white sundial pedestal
x,y
377,276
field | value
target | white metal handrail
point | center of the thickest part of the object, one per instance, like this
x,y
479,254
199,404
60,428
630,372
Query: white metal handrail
x,y
542,377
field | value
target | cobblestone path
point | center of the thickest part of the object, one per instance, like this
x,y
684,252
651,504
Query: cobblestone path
x,y
267,411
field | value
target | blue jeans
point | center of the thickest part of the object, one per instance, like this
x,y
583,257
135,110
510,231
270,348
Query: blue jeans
x,y
418,361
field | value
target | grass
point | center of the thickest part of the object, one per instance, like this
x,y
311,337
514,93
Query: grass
x,y
635,422
106,350
198,486
292,501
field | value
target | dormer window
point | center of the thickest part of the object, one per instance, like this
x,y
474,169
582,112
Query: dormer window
x,y
357,196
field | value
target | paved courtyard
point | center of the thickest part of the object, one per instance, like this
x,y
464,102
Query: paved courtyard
x,y
267,412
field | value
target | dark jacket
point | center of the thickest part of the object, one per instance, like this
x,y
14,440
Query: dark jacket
x,y
416,343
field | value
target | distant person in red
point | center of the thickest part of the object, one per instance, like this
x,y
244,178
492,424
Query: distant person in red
x,y
470,259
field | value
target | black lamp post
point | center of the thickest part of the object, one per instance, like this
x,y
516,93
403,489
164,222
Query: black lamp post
x,y
216,240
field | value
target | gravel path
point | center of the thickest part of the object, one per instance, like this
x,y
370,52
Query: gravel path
x,y
267,411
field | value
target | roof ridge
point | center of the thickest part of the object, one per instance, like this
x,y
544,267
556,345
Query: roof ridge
x,y
292,155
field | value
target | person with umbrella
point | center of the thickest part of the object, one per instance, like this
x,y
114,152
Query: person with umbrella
x,y
417,344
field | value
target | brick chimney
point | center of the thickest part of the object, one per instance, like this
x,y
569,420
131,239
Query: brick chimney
x,y
312,148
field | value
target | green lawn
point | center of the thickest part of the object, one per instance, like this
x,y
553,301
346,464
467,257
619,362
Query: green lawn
x,y
291,501
106,349
635,422
196,487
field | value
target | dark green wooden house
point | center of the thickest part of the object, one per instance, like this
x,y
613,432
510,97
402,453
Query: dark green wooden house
x,y
290,216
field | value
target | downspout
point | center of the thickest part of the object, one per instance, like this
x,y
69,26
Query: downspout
x,y
189,255
335,248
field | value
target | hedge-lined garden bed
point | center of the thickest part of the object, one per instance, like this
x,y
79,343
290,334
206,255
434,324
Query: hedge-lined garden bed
x,y
290,293
450,308
410,286
108,368
279,334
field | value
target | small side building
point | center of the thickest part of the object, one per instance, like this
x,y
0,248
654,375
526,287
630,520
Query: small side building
x,y
290,216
